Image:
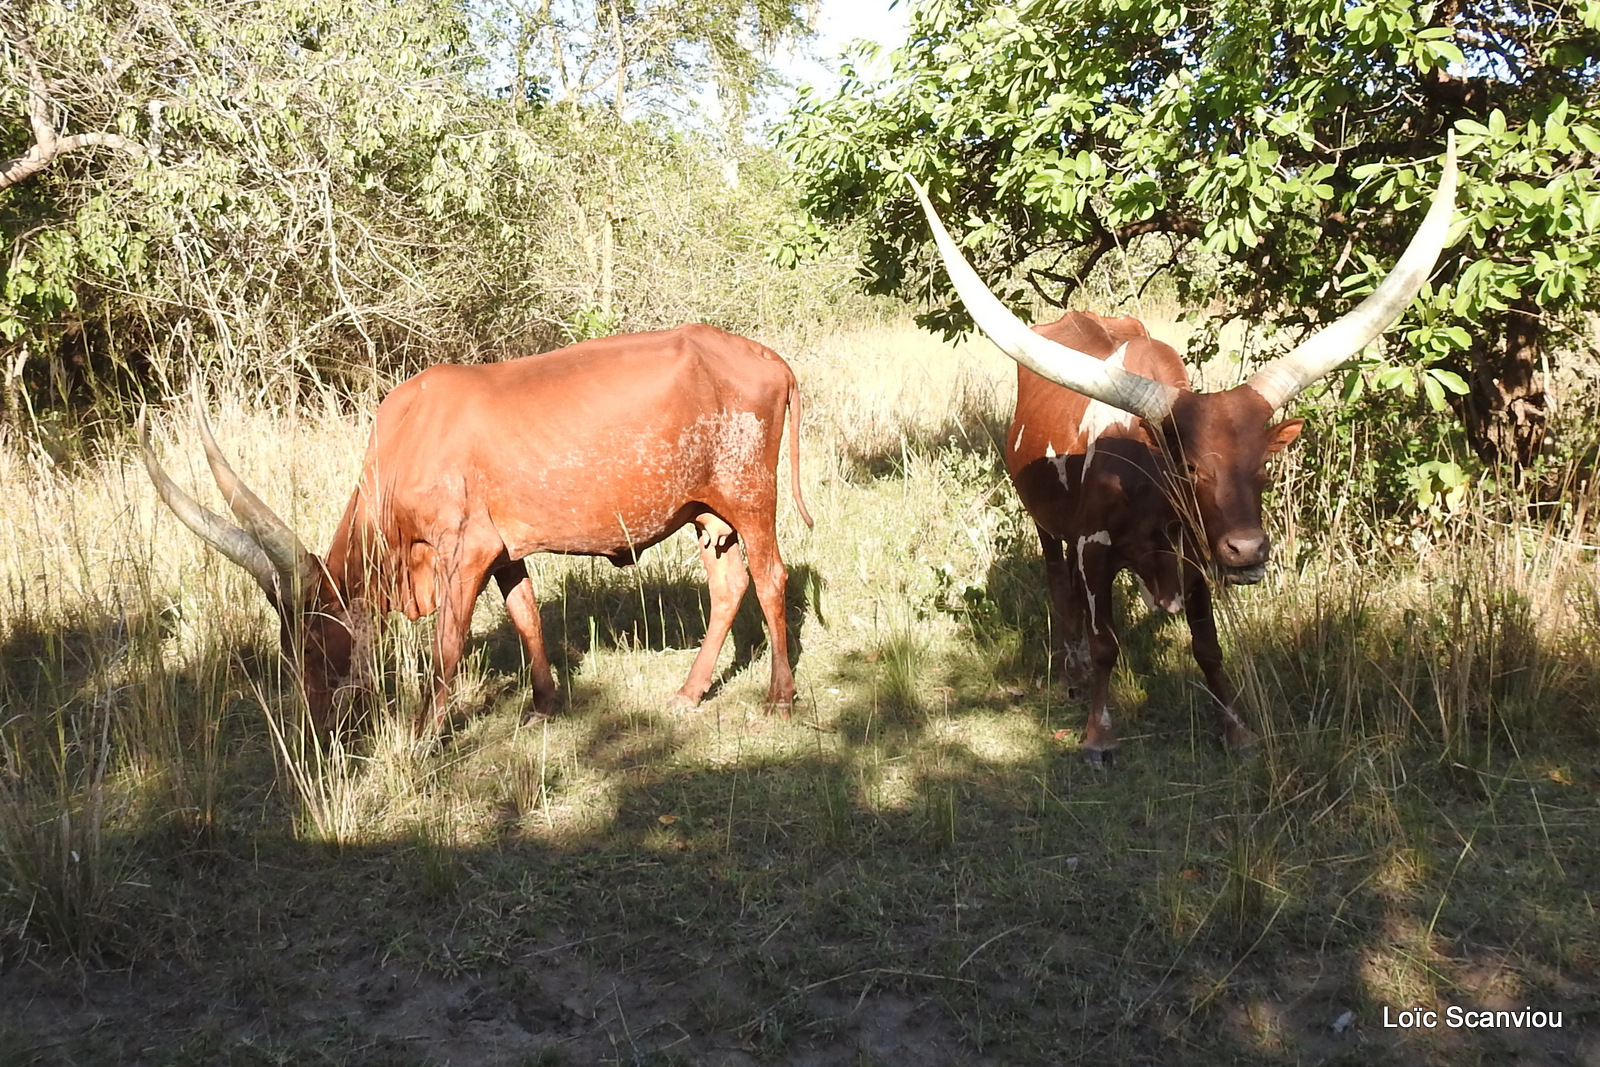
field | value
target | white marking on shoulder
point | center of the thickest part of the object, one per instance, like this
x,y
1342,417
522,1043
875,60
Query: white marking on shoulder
x,y
1099,417
1101,538
1060,464
1016,445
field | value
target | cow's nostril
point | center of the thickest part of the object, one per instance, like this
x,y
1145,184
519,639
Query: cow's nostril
x,y
1245,551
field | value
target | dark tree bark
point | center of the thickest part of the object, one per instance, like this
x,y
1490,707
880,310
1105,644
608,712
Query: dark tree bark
x,y
1504,413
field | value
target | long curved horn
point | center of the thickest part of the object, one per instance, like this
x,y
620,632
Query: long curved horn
x,y
289,557
1078,371
1284,377
207,525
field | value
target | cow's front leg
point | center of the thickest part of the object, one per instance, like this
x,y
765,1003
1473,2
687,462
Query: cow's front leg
x,y
1069,652
1237,738
458,580
1095,571
517,587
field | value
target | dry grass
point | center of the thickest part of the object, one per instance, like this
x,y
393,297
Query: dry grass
x,y
914,868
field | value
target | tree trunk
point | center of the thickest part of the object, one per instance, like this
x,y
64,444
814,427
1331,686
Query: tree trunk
x,y
12,385
1504,412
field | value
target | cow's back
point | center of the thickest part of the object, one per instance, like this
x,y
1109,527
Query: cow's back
x,y
1075,462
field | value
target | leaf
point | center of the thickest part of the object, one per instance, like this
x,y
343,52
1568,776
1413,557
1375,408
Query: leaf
x,y
1352,387
1435,393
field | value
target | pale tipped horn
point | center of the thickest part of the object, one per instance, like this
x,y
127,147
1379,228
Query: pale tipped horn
x,y
207,525
1078,371
1283,378
298,567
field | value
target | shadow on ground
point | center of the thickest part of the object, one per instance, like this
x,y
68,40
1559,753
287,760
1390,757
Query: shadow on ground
x,y
844,889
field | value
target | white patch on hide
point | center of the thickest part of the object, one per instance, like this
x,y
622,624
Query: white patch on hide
x,y
1101,538
1017,445
1098,417
1059,463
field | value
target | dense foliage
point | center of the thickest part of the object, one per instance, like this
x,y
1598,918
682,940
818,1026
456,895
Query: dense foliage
x,y
299,190
1293,144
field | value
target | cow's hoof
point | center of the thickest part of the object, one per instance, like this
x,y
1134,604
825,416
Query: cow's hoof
x,y
1239,743
681,702
1100,759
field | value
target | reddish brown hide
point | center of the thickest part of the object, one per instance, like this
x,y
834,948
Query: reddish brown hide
x,y
601,449
1104,498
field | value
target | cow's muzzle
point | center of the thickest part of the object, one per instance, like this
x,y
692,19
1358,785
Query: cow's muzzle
x,y
1244,575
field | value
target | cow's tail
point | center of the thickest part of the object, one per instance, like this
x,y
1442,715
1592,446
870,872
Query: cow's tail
x,y
794,449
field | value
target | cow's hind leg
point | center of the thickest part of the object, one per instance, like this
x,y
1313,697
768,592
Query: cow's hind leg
x,y
727,580
771,580
1237,738
517,587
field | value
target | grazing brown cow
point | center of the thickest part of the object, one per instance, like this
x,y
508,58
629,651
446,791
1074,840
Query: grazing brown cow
x,y
601,449
1123,466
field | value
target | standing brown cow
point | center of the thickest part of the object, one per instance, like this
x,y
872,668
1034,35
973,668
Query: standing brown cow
x,y
1123,466
600,449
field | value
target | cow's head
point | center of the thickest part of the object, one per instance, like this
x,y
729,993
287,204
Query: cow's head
x,y
315,625
1217,443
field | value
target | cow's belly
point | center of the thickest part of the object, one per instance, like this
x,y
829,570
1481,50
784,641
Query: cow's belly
x,y
576,527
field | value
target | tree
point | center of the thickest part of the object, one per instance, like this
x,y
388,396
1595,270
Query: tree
x,y
298,183
325,189
1292,142
639,52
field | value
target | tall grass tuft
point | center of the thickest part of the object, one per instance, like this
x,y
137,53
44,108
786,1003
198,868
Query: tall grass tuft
x,y
902,674
58,874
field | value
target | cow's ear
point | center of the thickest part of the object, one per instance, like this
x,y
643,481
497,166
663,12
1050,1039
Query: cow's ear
x,y
1282,435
